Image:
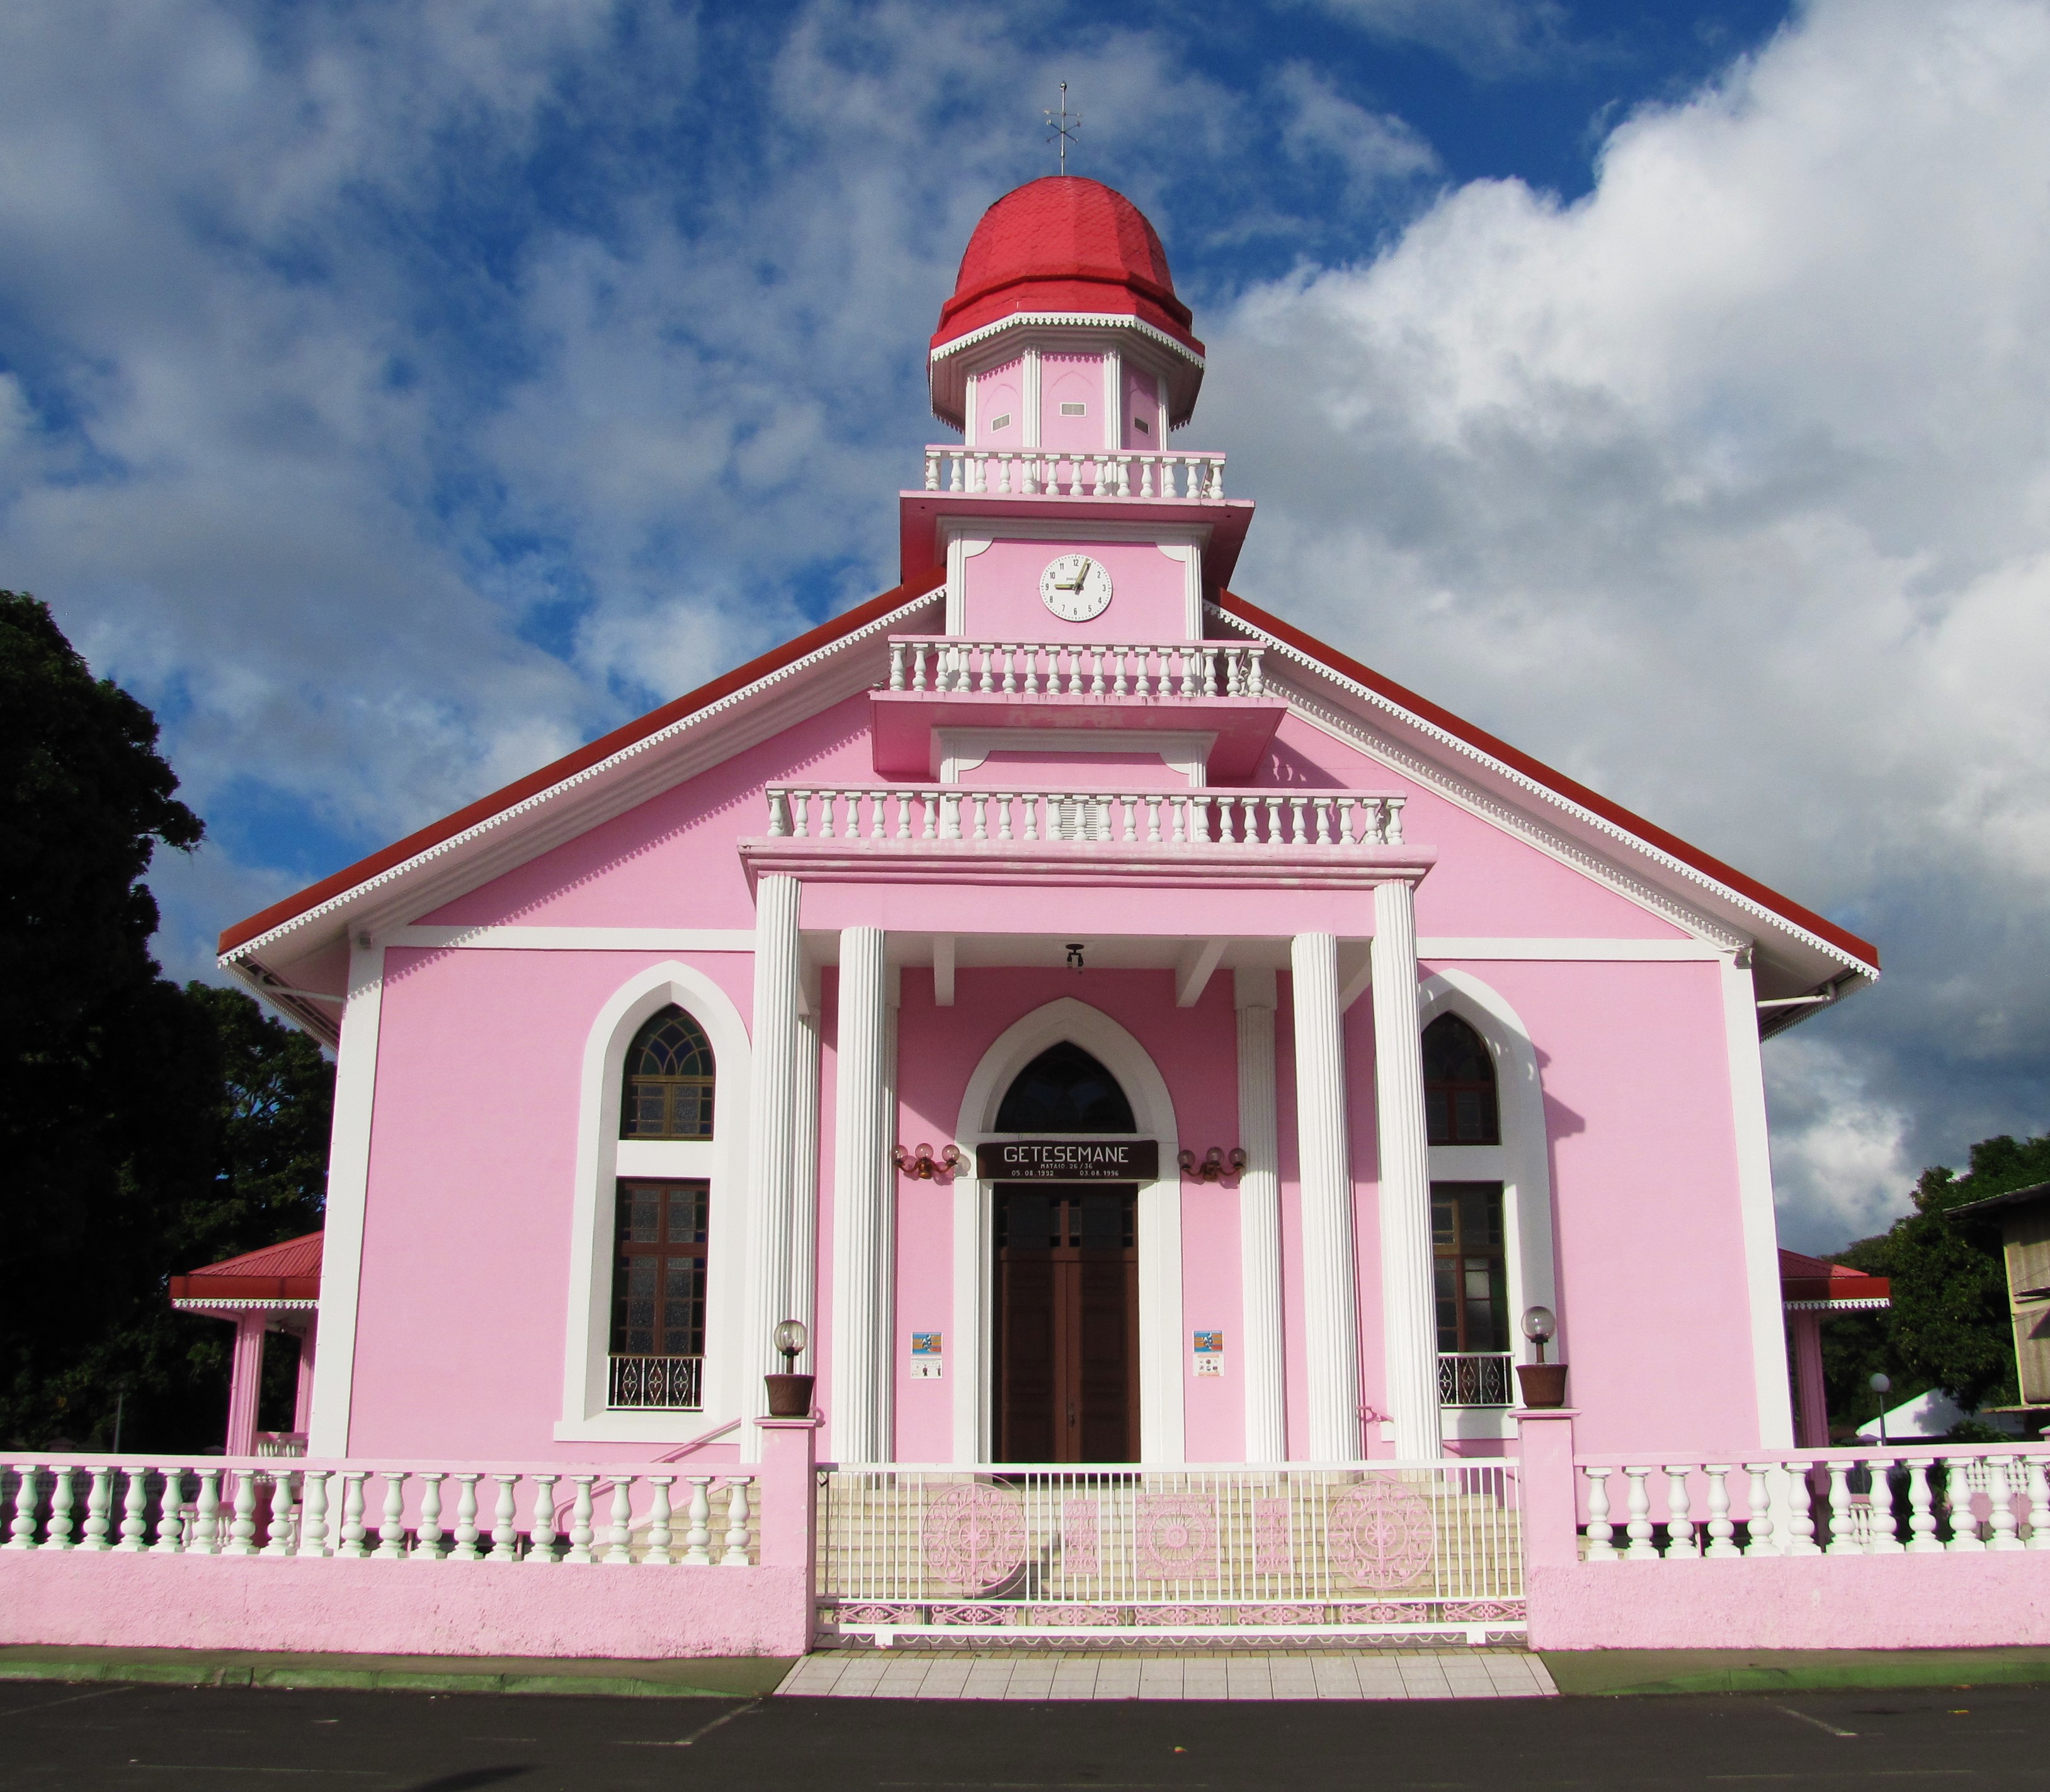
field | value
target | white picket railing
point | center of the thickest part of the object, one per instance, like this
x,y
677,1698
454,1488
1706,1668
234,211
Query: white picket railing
x,y
947,665
1129,1554
1241,820
1917,1500
421,1512
1190,475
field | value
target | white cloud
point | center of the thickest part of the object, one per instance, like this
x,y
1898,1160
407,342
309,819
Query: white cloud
x,y
1726,488
1488,38
1840,1160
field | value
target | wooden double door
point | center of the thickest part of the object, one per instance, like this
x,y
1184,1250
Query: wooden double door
x,y
1066,1313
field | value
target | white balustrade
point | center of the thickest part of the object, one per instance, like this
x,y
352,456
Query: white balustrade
x,y
424,1514
1930,1499
945,665
1209,820
1193,476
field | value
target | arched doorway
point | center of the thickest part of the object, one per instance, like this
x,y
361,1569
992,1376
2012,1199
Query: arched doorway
x,y
1065,1278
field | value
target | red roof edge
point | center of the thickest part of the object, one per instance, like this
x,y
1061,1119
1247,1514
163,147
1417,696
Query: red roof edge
x,y
581,760
1556,782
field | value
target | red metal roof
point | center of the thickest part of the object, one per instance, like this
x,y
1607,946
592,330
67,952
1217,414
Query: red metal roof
x,y
291,1271
1805,1278
1064,244
827,632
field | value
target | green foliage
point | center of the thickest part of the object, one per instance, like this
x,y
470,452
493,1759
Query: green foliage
x,y
145,1128
1948,1327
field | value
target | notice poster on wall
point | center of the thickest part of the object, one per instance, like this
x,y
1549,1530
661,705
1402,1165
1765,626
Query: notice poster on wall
x,y
928,1362
1207,1350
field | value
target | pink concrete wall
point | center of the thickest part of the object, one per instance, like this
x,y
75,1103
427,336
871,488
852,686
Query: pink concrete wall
x,y
1142,400
1071,379
1005,770
1002,593
73,1599
1000,393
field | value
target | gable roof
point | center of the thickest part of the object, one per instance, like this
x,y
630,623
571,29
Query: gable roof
x,y
287,1270
1742,895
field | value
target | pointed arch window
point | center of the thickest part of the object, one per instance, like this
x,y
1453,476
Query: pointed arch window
x,y
1460,1106
669,1081
1065,1090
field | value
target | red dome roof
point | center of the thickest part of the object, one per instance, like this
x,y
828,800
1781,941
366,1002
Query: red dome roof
x,y
1064,244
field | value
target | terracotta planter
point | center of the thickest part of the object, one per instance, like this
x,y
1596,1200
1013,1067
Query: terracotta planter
x,y
1544,1384
790,1396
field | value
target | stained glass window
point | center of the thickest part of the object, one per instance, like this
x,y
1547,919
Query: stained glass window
x,y
1459,1105
669,1078
658,1272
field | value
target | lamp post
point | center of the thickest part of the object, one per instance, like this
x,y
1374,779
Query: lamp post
x,y
789,1393
1543,1383
1882,1385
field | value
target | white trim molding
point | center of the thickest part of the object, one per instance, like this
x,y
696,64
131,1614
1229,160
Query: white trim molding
x,y
1761,1224
602,1156
1160,1392
962,750
492,937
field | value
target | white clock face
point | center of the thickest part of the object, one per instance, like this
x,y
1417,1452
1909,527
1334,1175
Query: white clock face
x,y
1076,587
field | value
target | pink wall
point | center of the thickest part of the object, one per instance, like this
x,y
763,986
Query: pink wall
x,y
1005,770
1002,590
1000,393
1142,400
1071,379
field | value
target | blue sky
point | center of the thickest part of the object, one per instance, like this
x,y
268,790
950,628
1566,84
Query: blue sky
x,y
395,397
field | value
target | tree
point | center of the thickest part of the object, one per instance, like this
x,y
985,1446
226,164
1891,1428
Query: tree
x,y
143,1128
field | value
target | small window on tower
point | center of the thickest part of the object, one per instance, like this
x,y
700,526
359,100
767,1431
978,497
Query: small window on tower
x,y
1003,422
1071,409
1142,426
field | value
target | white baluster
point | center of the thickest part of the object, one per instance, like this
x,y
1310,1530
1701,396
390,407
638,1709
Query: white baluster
x,y
241,1528
932,472
391,1533
2039,1504
28,1495
979,800
1029,800
541,1533
950,826
1600,1532
133,1522
1999,1493
465,1519
1843,1538
428,1534
1255,679
736,1522
1297,807
580,1520
206,1514
58,1536
621,1554
281,1538
352,1533
697,1538
1679,1528
313,1513
1758,1540
955,482
1638,1526
1965,1536
1801,1512
929,804
1720,1530
505,1522
97,1503
658,1520
896,665
1922,1539
1394,808
1274,806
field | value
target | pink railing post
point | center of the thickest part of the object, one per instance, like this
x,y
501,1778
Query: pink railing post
x,y
1550,1496
788,1487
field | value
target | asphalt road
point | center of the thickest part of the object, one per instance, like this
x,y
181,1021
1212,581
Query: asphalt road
x,y
84,1738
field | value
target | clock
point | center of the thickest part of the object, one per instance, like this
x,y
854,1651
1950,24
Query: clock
x,y
1076,587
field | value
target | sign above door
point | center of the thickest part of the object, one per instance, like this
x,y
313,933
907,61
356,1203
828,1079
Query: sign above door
x,y
1069,1160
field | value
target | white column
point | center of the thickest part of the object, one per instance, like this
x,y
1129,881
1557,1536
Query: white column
x,y
1259,1342
773,1143
864,1237
1331,1311
1409,1300
800,1280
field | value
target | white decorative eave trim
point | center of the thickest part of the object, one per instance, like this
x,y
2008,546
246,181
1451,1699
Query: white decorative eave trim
x,y
186,1305
1867,1303
1067,320
1579,813
697,717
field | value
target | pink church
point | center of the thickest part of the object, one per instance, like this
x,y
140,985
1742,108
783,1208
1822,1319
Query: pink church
x,y
1121,1028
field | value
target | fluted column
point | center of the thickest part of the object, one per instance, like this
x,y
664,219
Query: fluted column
x,y
1408,1300
1260,1336
775,1141
1331,1311
801,1275
863,1234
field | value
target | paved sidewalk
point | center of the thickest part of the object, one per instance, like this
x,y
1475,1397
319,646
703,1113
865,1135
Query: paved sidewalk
x,y
877,1674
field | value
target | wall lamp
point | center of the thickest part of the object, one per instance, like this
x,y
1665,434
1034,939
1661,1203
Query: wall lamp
x,y
1217,1164
924,1167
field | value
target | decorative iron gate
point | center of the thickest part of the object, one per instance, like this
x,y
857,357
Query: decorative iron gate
x,y
1425,1552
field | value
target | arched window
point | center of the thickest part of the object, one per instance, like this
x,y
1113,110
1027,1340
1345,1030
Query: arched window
x,y
669,1077
1459,1105
1065,1090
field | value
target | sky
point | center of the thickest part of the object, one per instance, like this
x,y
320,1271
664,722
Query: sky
x,y
395,396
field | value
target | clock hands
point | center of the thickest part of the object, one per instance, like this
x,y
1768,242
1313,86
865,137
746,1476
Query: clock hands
x,y
1076,583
